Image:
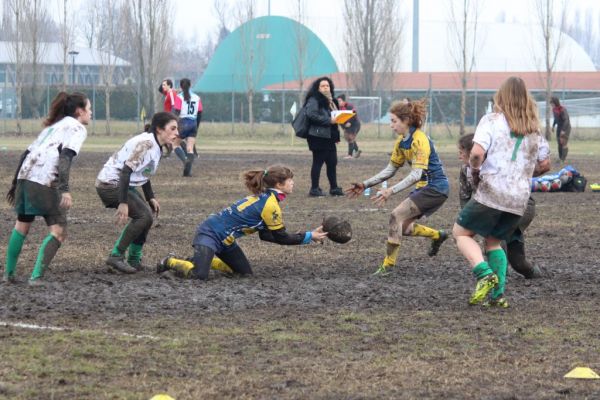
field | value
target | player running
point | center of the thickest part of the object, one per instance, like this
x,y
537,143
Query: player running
x,y
260,211
189,121
416,148
41,183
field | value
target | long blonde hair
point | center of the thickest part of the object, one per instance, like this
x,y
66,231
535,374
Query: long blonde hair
x,y
518,106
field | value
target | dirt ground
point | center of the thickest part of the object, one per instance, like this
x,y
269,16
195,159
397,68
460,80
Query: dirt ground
x,y
312,322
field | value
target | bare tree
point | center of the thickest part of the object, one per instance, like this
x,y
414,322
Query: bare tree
x,y
67,36
36,18
464,36
581,28
109,26
150,45
17,54
551,19
372,40
252,53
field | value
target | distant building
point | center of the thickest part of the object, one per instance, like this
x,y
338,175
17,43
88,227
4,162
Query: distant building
x,y
87,64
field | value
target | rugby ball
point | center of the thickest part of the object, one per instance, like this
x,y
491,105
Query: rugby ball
x,y
337,229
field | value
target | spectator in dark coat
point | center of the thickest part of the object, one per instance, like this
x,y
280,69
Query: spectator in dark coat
x,y
563,128
323,134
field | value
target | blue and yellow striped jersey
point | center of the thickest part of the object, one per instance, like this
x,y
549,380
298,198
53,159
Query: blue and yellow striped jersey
x,y
418,150
246,216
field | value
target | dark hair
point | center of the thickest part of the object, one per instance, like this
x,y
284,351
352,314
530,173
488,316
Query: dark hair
x,y
466,141
160,120
259,180
65,105
313,91
147,127
185,85
554,100
342,96
413,113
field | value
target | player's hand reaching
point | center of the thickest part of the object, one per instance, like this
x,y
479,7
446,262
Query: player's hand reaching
x,y
66,201
155,206
355,190
382,197
122,214
318,235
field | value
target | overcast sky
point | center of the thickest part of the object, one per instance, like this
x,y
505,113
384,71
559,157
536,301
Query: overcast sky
x,y
196,18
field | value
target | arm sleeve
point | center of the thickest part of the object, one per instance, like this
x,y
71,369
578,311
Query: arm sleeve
x,y
409,180
148,192
10,195
483,134
124,177
383,175
64,168
315,114
280,236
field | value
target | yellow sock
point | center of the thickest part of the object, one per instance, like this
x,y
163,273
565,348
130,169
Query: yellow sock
x,y
391,253
425,231
182,266
219,265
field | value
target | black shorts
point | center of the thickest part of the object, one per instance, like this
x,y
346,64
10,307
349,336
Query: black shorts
x,y
427,200
33,199
187,128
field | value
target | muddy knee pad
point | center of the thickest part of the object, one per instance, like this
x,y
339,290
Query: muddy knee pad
x,y
237,261
516,257
203,256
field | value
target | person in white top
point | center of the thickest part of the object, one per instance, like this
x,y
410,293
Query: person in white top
x,y
189,121
41,183
117,183
506,147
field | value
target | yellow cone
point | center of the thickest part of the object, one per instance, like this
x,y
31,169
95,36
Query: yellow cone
x,y
162,397
582,373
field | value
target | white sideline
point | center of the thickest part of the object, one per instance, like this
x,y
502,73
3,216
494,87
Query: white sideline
x,y
58,328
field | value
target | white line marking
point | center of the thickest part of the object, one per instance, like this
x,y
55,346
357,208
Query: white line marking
x,y
58,328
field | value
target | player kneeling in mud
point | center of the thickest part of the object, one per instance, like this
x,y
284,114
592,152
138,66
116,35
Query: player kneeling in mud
x,y
416,148
260,211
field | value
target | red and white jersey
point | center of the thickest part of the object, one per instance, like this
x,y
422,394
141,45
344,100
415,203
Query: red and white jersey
x,y
191,108
41,164
172,101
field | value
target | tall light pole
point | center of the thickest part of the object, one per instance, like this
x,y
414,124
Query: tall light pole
x,y
73,54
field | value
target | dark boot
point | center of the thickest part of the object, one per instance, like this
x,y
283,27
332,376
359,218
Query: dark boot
x,y
187,169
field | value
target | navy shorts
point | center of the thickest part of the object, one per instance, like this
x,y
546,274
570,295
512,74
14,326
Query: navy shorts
x,y
205,236
187,128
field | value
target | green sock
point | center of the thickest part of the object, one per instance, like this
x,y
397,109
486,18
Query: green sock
x,y
115,251
47,252
134,253
498,263
15,244
482,269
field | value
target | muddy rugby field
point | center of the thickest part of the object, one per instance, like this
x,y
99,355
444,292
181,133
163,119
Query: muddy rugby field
x,y
312,322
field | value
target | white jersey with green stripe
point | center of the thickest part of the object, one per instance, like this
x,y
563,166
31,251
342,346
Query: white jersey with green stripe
x,y
508,167
41,164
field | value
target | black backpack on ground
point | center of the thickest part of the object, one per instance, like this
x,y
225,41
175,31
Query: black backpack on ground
x,y
300,124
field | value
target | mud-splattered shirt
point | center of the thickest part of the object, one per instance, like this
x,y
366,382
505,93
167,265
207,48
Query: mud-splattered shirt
x,y
508,167
41,164
141,153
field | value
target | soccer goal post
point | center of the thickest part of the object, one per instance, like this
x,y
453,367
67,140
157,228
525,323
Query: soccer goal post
x,y
368,109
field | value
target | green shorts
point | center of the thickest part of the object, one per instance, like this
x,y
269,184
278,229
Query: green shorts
x,y
486,221
33,199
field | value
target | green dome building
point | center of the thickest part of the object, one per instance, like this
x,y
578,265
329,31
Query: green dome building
x,y
262,52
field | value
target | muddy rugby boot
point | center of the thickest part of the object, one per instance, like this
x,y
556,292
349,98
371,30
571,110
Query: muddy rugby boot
x,y
9,278
437,243
118,263
37,282
483,287
139,265
161,266
500,302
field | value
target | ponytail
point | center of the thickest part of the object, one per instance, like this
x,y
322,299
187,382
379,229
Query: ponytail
x,y
413,113
185,85
65,105
259,180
